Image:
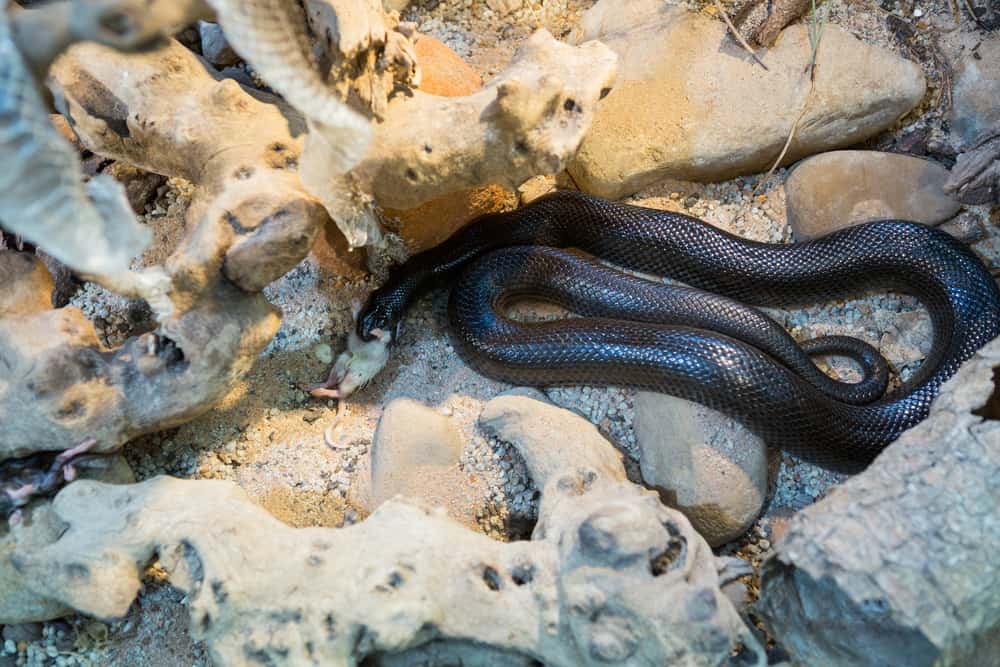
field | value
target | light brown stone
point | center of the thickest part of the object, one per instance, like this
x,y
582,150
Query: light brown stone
x,y
415,454
27,284
524,418
689,103
705,465
504,7
835,190
332,252
431,223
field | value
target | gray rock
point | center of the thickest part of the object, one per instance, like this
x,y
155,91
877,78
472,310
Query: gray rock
x,y
416,453
705,465
22,632
689,103
214,45
834,190
898,565
976,92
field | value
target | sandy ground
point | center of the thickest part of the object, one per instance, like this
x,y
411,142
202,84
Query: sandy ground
x,y
267,435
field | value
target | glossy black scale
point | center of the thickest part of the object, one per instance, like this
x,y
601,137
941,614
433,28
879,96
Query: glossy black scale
x,y
771,392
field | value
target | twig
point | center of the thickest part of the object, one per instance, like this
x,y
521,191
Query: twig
x,y
815,34
816,28
737,35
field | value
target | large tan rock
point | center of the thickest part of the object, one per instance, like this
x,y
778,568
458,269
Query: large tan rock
x,y
431,223
689,103
707,466
828,192
442,71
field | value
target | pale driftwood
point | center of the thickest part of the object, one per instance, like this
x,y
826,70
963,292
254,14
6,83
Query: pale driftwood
x,y
611,576
528,120
365,52
898,566
251,222
42,195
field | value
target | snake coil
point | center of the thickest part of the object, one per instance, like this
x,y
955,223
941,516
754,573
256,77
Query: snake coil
x,y
642,334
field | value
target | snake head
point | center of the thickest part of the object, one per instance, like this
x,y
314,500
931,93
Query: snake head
x,y
382,313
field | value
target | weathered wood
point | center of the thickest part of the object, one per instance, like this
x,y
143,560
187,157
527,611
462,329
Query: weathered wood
x,y
901,565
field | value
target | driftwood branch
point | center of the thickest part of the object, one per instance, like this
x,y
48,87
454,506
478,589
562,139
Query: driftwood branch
x,y
611,576
898,565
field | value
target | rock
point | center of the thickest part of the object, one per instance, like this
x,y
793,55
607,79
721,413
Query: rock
x,y
395,5
22,632
503,7
520,418
689,103
777,521
334,256
415,454
839,189
444,73
975,107
324,353
761,22
38,528
737,593
975,178
533,188
27,284
214,45
431,223
709,467
65,283
967,227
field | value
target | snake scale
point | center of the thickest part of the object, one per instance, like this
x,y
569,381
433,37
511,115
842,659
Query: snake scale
x,y
637,333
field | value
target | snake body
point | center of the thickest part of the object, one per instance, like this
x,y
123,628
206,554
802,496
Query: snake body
x,y
630,333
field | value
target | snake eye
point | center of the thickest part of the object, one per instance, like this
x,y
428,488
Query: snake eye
x,y
373,318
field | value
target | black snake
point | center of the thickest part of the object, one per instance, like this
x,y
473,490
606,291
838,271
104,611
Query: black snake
x,y
642,334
